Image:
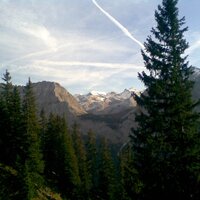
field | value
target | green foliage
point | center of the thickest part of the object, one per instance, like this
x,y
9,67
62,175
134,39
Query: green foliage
x,y
33,163
7,182
5,124
92,164
166,141
7,88
84,173
126,173
61,168
47,194
10,139
63,165
106,182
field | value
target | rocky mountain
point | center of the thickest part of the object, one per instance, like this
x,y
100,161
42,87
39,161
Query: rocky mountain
x,y
99,103
53,98
108,114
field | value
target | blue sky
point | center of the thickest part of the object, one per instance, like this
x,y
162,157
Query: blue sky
x,y
76,44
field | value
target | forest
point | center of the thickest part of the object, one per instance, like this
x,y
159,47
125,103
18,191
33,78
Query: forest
x,y
42,157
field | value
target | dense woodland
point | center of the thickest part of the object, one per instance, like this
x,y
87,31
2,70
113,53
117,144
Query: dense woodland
x,y
41,157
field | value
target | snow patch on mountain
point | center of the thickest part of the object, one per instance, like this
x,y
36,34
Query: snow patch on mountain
x,y
96,93
107,103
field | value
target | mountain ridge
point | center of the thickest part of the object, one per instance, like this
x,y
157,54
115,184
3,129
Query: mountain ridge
x,y
111,114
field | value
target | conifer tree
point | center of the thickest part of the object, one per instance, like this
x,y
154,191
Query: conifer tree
x,y
11,139
16,120
80,152
6,135
8,175
166,142
106,182
12,121
92,165
43,128
33,163
61,168
7,88
126,171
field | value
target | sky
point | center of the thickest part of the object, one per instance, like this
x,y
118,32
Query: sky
x,y
84,45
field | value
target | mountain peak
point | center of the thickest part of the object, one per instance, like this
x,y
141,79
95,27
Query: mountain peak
x,y
52,97
96,93
112,102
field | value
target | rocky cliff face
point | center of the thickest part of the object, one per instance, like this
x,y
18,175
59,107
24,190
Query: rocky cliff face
x,y
110,115
110,103
106,114
53,98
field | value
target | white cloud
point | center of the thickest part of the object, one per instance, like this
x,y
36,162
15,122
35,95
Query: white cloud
x,y
40,32
71,43
83,76
193,47
73,59
25,22
88,64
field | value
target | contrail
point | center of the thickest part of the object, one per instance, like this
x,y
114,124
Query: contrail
x,y
118,24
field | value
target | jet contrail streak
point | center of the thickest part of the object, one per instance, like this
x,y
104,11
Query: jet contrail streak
x,y
118,24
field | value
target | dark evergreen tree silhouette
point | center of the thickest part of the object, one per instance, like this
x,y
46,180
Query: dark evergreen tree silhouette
x,y
106,170
61,167
6,136
92,164
166,160
10,138
84,173
33,162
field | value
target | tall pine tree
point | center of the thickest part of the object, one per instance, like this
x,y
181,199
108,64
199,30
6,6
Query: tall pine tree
x,y
92,164
165,144
10,137
82,162
6,135
33,163
61,168
106,176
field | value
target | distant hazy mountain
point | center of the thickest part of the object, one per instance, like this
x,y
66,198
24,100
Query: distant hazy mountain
x,y
99,103
107,114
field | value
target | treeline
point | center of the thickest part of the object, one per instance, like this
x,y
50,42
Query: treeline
x,y
43,158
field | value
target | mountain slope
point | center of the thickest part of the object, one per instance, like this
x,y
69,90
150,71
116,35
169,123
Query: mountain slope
x,y
110,115
53,98
110,103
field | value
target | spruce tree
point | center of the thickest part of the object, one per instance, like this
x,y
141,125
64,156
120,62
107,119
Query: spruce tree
x,y
92,165
80,152
7,88
33,161
11,140
6,135
106,176
61,168
8,175
126,171
166,142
